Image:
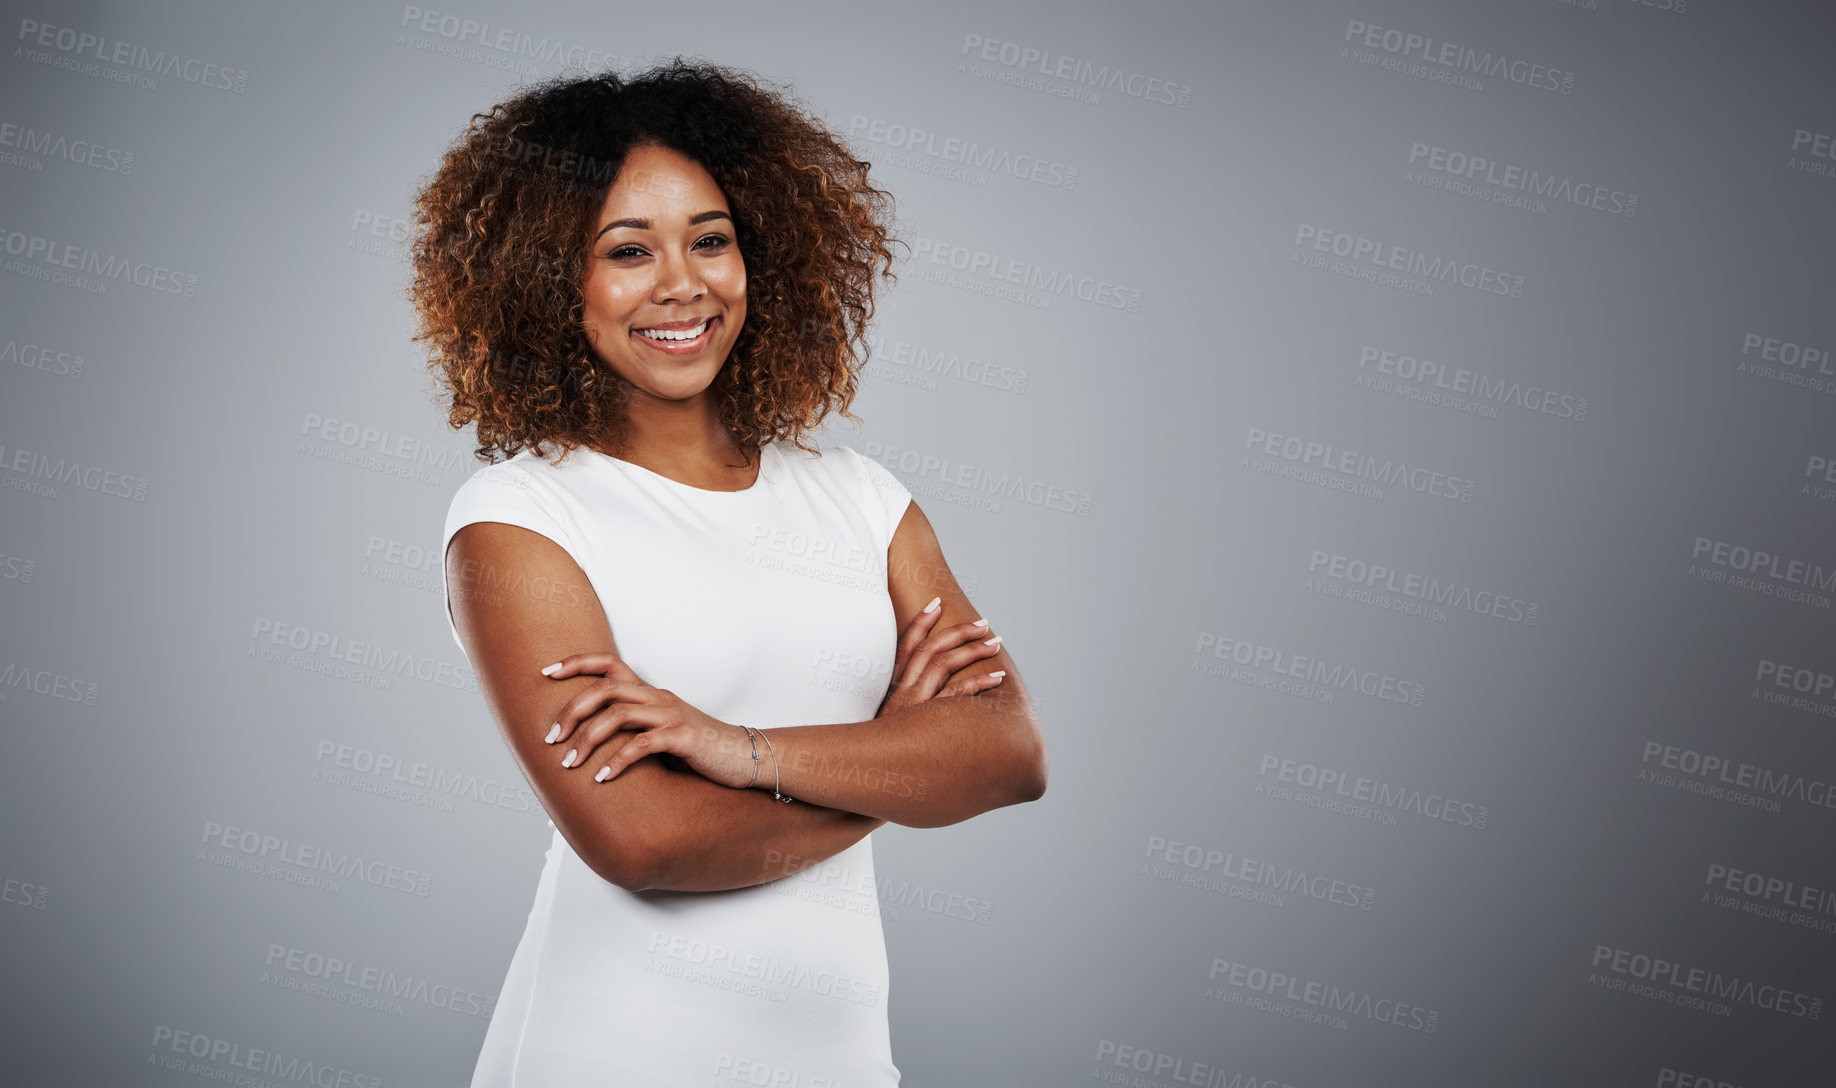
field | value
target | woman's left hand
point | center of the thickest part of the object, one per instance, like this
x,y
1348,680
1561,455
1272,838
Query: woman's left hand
x,y
649,720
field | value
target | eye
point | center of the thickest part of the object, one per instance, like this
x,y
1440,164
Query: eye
x,y
715,241
625,253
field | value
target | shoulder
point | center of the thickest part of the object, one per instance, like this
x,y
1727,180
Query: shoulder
x,y
523,490
841,460
857,479
526,472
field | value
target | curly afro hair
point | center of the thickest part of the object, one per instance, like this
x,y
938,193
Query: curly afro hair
x,y
500,246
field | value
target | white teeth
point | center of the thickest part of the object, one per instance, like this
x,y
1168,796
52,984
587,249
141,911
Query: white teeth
x,y
685,334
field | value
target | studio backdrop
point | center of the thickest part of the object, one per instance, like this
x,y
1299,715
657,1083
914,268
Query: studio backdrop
x,y
1394,438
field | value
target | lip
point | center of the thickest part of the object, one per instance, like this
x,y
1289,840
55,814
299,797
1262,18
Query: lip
x,y
678,347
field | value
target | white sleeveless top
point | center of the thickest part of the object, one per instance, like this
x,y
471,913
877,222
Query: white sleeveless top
x,y
766,607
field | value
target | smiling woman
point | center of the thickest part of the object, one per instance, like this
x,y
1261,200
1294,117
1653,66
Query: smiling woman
x,y
668,278
664,293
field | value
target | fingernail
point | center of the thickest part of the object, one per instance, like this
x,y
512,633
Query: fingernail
x,y
604,773
995,641
981,623
932,607
555,733
571,753
997,674
552,669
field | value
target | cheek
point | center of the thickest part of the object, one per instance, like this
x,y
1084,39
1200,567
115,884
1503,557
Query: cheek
x,y
733,286
609,297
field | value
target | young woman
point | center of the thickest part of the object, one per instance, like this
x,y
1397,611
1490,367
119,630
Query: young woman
x,y
721,656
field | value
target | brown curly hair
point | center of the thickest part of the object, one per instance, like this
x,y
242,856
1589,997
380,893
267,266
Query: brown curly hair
x,y
500,248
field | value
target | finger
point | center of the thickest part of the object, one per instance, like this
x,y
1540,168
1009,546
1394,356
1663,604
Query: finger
x,y
599,663
941,667
921,673
971,685
915,632
933,643
650,742
593,700
612,745
621,721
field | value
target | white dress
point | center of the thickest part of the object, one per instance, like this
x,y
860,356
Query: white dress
x,y
766,606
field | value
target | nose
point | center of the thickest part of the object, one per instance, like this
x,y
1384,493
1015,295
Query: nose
x,y
677,279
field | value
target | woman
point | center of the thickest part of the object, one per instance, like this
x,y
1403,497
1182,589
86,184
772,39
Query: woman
x,y
720,656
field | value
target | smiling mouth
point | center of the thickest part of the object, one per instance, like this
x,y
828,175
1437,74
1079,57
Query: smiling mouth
x,y
677,337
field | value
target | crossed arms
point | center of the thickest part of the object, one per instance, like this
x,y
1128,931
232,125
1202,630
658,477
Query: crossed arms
x,y
660,825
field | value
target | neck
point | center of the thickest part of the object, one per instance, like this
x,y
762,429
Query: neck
x,y
685,435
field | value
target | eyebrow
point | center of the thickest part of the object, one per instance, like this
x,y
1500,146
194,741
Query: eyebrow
x,y
644,224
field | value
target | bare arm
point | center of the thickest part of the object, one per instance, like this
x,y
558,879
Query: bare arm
x,y
520,602
930,764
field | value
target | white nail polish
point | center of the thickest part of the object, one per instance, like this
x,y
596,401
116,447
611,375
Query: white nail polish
x,y
995,641
997,674
604,773
552,669
981,623
554,734
571,754
932,607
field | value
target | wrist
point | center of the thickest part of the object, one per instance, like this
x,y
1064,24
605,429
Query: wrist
x,y
753,739
777,773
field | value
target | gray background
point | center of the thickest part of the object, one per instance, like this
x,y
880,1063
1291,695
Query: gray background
x,y
175,497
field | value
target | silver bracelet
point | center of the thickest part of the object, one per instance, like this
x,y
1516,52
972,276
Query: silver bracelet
x,y
755,755
776,779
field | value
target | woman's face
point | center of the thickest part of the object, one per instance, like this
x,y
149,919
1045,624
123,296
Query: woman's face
x,y
665,287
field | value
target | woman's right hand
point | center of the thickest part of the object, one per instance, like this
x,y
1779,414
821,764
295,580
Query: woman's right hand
x,y
927,659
